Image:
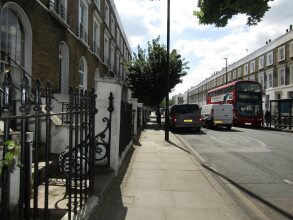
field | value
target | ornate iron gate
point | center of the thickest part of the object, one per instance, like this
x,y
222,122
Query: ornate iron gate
x,y
76,162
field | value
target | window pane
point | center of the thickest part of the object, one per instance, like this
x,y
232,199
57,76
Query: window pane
x,y
12,36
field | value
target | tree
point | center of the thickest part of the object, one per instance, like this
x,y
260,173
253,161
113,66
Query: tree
x,y
218,12
147,72
163,102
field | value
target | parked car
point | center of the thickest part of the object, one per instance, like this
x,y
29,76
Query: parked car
x,y
217,115
185,116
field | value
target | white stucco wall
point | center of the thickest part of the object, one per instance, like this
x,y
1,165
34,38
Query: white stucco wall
x,y
103,89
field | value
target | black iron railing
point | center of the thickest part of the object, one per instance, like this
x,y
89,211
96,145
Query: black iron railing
x,y
139,122
59,9
125,126
65,108
82,33
96,48
81,150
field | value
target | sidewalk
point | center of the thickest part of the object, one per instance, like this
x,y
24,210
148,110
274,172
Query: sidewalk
x,y
164,182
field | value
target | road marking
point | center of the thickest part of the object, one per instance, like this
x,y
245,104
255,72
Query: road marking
x,y
228,140
237,192
288,182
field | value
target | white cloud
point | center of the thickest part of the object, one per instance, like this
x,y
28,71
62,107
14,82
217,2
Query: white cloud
x,y
204,46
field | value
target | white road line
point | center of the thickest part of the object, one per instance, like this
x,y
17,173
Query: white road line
x,y
288,182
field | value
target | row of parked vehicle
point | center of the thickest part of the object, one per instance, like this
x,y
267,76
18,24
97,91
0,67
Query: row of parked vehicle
x,y
193,116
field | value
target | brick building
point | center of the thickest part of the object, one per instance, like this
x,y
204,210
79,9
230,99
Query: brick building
x,y
69,43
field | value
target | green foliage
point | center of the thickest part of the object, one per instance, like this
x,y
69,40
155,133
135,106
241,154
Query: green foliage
x,y
163,103
147,72
218,12
12,151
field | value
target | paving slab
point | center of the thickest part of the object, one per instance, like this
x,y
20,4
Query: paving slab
x,y
164,182
199,214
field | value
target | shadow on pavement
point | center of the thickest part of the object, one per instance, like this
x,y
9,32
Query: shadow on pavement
x,y
175,145
112,208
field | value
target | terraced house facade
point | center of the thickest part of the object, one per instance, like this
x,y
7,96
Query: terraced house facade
x,y
71,43
64,102
270,65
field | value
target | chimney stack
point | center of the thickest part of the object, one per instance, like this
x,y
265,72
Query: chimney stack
x,y
269,40
286,30
290,27
266,42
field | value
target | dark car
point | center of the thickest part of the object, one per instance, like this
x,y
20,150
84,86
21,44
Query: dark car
x,y
185,116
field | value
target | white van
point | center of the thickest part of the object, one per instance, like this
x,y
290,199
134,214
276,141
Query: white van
x,y
217,115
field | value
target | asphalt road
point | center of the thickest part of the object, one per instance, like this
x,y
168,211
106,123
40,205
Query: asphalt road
x,y
258,160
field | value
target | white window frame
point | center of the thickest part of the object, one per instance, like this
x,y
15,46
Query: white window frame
x,y
83,23
113,26
281,53
270,58
239,75
291,49
117,63
118,37
245,69
270,79
96,35
234,74
84,73
121,43
261,62
252,66
252,77
281,72
112,57
106,48
121,68
107,13
261,79
291,73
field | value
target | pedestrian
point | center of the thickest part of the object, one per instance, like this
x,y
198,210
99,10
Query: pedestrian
x,y
268,117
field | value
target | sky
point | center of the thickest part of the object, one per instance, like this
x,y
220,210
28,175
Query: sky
x,y
203,46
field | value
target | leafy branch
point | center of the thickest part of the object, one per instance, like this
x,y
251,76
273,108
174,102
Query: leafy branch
x,y
12,152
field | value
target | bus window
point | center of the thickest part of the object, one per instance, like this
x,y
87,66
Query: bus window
x,y
248,87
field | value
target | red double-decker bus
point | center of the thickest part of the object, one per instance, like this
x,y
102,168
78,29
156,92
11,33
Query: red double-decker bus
x,y
246,98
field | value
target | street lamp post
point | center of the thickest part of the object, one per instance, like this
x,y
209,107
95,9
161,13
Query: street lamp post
x,y
226,70
168,74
